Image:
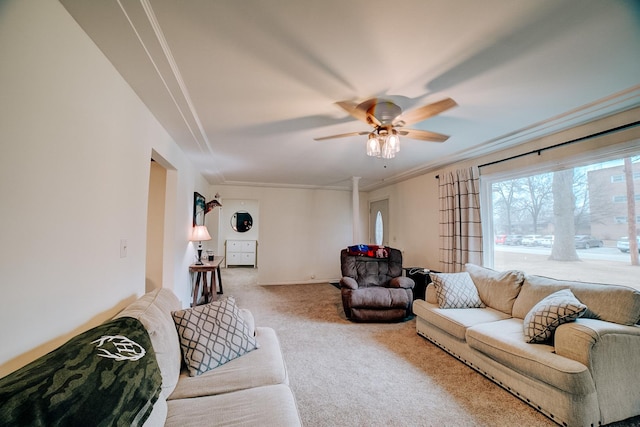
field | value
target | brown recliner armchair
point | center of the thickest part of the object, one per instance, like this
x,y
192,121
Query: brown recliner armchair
x,y
373,289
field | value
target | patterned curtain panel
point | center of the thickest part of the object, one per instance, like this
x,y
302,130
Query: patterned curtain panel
x,y
460,226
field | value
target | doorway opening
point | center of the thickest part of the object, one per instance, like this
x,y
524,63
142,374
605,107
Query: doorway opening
x,y
160,213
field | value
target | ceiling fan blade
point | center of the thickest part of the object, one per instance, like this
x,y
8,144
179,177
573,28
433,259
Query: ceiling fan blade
x,y
360,111
423,113
342,135
423,135
352,108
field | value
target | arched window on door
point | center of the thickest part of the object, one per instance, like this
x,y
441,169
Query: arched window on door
x,y
379,222
379,228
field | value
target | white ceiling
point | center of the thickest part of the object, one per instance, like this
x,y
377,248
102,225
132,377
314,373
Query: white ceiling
x,y
245,86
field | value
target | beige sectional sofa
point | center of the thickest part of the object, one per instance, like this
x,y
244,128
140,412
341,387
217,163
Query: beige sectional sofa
x,y
585,375
251,390
129,371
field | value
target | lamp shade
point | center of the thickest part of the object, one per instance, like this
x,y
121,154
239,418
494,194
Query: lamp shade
x,y
200,233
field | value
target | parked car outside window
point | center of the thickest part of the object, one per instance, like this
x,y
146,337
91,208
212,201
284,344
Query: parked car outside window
x,y
500,239
584,241
546,241
531,240
623,244
513,239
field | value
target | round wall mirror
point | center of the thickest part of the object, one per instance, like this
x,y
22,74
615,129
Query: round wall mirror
x,y
241,221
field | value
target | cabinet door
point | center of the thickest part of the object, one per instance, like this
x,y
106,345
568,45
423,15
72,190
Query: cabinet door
x,y
234,246
234,258
248,246
248,258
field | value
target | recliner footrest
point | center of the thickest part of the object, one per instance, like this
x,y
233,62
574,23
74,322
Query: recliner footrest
x,y
378,297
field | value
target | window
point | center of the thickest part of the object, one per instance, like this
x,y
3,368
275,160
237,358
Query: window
x,y
379,228
620,178
623,219
571,210
623,199
619,199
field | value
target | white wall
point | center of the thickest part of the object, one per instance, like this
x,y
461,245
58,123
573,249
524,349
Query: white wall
x,y
231,206
301,231
74,176
413,216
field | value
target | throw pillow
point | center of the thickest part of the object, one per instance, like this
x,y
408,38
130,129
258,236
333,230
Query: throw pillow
x,y
497,289
212,334
554,310
456,290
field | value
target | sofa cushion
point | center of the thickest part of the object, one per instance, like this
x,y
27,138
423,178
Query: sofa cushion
x,y
456,321
503,341
612,303
497,289
430,294
456,290
554,310
212,334
153,310
272,405
249,320
263,366
158,414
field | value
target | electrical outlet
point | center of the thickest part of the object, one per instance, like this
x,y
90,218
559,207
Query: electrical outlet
x,y
123,248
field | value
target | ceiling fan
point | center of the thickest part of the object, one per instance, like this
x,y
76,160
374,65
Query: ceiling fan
x,y
388,121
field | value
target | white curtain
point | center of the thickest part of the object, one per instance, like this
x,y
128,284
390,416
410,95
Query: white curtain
x,y
460,226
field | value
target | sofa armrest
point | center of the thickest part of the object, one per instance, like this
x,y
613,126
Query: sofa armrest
x,y
348,282
610,351
582,339
402,282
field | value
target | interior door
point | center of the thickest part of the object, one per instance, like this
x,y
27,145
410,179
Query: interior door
x,y
379,222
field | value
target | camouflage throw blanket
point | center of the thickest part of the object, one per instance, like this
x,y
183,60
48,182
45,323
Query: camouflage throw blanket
x,y
107,376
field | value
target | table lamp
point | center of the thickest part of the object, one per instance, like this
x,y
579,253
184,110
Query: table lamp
x,y
198,234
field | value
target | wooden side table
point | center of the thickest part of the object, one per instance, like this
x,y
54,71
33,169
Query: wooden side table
x,y
209,287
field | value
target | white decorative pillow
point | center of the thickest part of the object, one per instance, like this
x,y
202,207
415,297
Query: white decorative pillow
x,y
212,334
554,310
456,290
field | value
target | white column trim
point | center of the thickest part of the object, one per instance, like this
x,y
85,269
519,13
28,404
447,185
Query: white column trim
x,y
356,209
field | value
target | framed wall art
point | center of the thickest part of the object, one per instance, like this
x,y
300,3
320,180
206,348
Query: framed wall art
x,y
199,206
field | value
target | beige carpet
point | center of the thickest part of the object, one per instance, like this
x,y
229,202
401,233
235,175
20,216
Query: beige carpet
x,y
350,374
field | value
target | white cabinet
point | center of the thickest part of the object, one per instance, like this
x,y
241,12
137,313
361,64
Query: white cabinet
x,y
241,252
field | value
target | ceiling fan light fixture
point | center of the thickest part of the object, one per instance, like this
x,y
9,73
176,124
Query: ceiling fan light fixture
x,y
388,151
385,116
393,140
373,146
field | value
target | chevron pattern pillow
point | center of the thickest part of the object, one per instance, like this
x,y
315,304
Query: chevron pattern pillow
x,y
456,290
554,310
212,334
